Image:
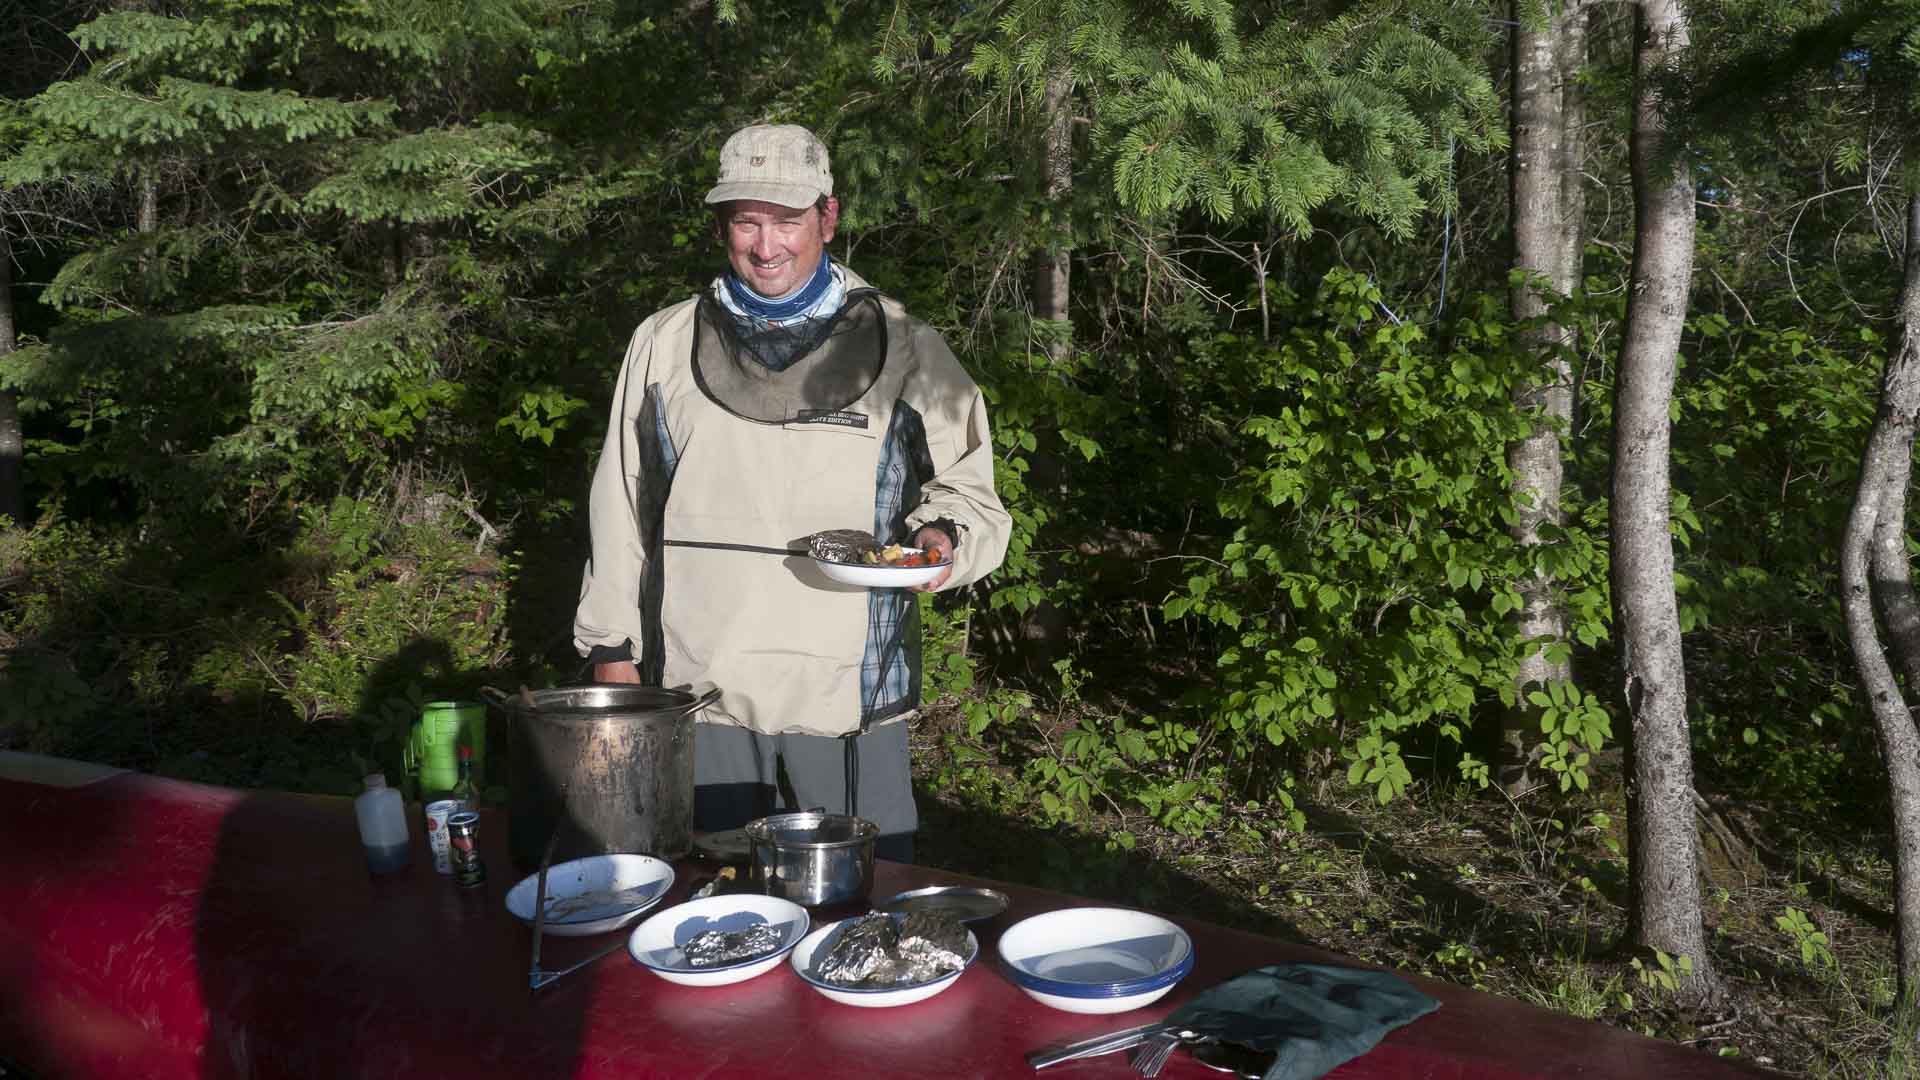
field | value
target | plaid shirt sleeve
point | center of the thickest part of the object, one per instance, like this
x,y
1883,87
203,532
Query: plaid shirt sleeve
x,y
890,668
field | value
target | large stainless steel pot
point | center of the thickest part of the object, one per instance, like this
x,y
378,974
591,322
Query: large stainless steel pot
x,y
812,858
622,756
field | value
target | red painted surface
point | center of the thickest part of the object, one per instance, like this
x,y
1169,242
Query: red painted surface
x,y
156,929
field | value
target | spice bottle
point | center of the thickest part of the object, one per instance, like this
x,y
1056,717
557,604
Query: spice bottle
x,y
383,826
464,792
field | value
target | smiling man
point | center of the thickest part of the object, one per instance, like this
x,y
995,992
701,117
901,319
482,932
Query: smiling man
x,y
774,249
787,398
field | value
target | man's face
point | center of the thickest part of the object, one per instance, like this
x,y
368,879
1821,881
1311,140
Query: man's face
x,y
775,249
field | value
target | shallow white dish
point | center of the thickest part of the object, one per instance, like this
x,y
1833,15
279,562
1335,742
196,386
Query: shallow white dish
x,y
802,961
1096,960
881,576
656,944
593,895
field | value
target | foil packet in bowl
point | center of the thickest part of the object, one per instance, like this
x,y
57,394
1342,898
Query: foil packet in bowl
x,y
878,951
712,948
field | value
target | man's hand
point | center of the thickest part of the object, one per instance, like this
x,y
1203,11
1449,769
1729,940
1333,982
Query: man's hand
x,y
620,671
938,545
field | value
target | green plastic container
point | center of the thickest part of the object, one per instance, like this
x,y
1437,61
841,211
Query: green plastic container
x,y
433,749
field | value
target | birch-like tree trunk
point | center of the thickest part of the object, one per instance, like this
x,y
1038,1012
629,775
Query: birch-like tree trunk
x,y
1662,844
1873,567
1570,57
13,502
1543,172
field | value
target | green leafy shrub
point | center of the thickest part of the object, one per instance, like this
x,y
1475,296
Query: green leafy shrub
x,y
1364,590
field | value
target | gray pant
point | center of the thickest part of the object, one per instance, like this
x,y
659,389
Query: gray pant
x,y
740,775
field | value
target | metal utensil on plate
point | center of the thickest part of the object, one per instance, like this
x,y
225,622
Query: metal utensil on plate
x,y
1123,1039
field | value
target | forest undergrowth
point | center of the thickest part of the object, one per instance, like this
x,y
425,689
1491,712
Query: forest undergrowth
x,y
1522,897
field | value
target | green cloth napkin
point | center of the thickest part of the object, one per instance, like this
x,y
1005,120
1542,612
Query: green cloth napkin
x,y
1316,1017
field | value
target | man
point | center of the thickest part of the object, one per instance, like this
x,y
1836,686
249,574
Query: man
x,y
786,399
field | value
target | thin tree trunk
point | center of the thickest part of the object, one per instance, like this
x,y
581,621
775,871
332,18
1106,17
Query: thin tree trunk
x,y
393,254
149,211
1892,580
1546,243
1662,848
13,501
146,221
1875,540
1053,269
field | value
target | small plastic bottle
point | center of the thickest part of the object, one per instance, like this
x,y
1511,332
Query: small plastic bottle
x,y
383,826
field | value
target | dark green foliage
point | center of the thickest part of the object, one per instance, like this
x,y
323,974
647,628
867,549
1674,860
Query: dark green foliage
x,y
1773,423
216,656
1246,111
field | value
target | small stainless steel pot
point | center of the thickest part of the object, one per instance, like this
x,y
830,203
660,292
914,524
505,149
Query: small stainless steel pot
x,y
812,858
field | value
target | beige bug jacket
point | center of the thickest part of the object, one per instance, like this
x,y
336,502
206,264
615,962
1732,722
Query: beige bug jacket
x,y
694,511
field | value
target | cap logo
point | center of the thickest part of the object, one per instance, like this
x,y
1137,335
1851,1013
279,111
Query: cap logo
x,y
759,161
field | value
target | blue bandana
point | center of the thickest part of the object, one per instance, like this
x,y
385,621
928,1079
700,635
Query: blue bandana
x,y
752,303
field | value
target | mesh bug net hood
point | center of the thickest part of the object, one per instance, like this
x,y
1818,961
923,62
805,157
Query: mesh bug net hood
x,y
786,374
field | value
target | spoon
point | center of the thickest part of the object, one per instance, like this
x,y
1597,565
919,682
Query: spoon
x,y
1233,1058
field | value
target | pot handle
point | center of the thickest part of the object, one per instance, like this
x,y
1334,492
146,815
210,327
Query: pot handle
x,y
704,694
506,702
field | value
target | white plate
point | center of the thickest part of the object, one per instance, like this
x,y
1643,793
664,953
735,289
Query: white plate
x,y
656,944
880,576
1096,960
802,961
593,895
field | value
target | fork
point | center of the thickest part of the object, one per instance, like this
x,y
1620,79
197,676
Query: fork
x,y
1151,1055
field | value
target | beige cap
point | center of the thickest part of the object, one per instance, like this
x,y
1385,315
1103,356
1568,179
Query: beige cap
x,y
783,164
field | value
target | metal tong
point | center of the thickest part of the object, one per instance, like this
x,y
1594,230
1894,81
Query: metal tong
x,y
538,978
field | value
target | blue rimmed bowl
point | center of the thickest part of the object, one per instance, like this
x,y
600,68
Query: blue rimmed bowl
x,y
658,943
1096,960
820,942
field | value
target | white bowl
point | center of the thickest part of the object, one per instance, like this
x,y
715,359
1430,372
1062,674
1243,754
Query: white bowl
x,y
1096,960
880,576
593,895
656,944
802,961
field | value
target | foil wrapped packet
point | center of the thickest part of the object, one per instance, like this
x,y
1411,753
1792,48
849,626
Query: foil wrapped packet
x,y
713,948
934,939
878,951
841,545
